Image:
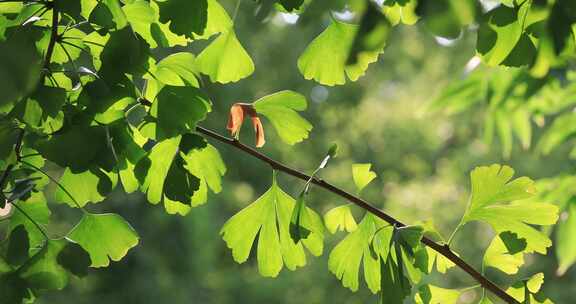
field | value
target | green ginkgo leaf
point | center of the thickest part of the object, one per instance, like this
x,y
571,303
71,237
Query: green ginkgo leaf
x,y
430,294
497,200
36,207
89,186
176,111
218,21
499,256
207,165
185,17
162,174
18,246
225,59
441,262
143,17
354,249
340,219
43,272
503,32
269,219
398,11
299,214
105,237
362,175
177,69
281,109
324,60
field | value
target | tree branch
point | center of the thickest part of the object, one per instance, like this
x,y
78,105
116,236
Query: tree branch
x,y
441,249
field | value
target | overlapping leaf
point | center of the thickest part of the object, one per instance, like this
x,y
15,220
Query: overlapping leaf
x,y
268,218
496,200
105,237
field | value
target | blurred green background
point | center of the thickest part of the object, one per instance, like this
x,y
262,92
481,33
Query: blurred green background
x,y
422,161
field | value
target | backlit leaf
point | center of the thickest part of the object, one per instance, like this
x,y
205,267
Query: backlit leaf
x,y
497,200
282,109
324,60
269,219
362,175
340,219
105,237
225,59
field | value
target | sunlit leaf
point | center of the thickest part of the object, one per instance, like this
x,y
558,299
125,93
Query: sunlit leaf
x,y
398,11
324,60
37,208
362,175
105,237
430,294
218,20
497,200
499,256
225,59
91,186
269,219
354,249
162,173
340,219
282,109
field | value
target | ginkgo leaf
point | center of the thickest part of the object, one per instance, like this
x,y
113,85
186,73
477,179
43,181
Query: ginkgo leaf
x,y
401,11
394,285
528,287
44,272
143,17
269,219
340,219
497,200
430,294
362,175
225,59
354,249
18,246
185,17
105,237
218,21
324,60
37,208
176,111
89,186
177,69
281,109
162,173
299,215
499,256
207,165
441,262
504,30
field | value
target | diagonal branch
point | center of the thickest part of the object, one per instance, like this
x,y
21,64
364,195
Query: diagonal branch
x,y
441,249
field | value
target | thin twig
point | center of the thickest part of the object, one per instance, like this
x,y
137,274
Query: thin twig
x,y
440,248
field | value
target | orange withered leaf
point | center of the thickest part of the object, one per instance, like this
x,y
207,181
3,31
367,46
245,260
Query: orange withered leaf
x,y
237,113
